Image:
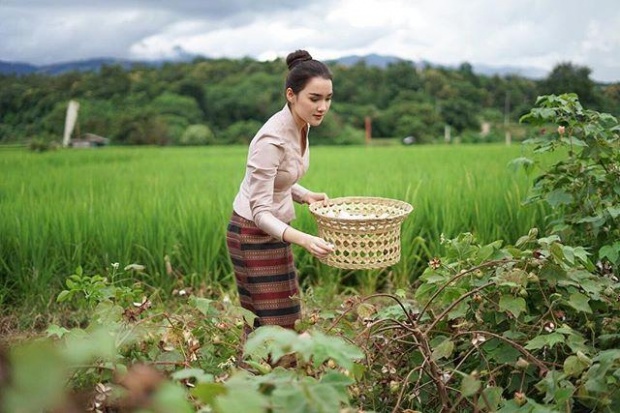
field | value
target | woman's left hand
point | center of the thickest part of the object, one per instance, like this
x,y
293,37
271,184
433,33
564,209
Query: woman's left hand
x,y
312,197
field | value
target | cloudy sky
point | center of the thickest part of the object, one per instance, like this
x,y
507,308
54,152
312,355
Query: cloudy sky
x,y
526,33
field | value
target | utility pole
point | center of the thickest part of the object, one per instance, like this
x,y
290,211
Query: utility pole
x,y
506,120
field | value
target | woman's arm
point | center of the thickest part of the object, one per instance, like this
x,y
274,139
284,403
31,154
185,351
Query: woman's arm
x,y
312,197
314,245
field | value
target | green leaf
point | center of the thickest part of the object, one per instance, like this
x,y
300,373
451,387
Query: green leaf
x,y
318,348
270,339
64,296
558,197
208,392
337,380
470,385
563,396
514,305
198,374
492,397
357,371
324,398
581,253
55,330
315,346
393,311
611,252
83,346
575,141
424,292
291,399
526,163
614,212
574,366
241,396
170,397
201,304
548,340
557,252
443,350
580,303
108,313
597,220
523,240
501,352
38,378
607,357
569,254
305,395
248,316
550,384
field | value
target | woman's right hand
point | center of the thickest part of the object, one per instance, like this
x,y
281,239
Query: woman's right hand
x,y
317,246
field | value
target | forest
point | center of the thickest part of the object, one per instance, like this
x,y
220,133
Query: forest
x,y
224,101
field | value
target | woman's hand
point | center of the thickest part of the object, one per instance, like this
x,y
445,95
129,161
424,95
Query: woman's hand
x,y
312,197
317,246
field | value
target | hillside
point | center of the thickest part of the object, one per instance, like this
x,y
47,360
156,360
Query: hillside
x,y
372,60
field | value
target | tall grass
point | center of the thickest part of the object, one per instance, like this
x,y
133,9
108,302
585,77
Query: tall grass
x,y
147,205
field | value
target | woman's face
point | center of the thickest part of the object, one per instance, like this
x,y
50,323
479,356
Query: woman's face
x,y
312,103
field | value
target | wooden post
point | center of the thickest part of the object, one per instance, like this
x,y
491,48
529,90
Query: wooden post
x,y
508,136
368,125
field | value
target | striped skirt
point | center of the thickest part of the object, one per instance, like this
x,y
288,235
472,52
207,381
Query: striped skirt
x,y
265,274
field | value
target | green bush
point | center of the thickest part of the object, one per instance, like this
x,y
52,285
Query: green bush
x,y
582,189
197,135
240,132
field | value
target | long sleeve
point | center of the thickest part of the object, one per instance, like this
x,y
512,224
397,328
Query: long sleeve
x,y
299,192
275,164
262,168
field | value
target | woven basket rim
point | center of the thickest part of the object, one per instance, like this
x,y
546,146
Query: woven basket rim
x,y
406,207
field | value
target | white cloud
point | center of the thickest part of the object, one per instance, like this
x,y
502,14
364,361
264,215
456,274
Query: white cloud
x,y
525,32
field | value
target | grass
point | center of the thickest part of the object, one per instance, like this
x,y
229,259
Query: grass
x,y
167,208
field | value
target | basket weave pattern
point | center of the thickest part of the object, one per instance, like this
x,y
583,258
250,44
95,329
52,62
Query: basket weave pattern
x,y
365,231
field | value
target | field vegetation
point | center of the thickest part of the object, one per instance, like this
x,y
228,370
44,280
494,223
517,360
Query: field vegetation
x,y
168,207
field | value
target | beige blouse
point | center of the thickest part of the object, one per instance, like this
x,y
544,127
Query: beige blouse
x,y
274,165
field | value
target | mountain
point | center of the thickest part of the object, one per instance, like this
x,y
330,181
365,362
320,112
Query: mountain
x,y
16,68
59,68
382,61
523,71
373,60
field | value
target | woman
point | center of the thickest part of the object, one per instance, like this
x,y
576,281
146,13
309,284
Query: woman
x,y
259,236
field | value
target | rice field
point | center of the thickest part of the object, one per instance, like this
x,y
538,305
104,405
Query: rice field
x,y
167,209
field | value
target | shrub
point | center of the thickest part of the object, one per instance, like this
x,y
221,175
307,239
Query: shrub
x,y
508,328
583,189
197,135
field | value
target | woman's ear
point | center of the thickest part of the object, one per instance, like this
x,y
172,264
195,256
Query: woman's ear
x,y
290,95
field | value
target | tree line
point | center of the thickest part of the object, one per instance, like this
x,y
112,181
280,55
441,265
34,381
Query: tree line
x,y
225,101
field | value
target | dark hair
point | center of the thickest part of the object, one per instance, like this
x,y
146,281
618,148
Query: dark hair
x,y
302,67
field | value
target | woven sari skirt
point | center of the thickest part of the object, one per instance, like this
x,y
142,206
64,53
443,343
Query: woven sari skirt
x,y
265,274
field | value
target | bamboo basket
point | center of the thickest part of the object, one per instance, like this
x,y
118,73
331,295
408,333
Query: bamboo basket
x,y
365,231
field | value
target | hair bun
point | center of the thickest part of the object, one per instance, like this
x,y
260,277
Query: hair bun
x,y
296,57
